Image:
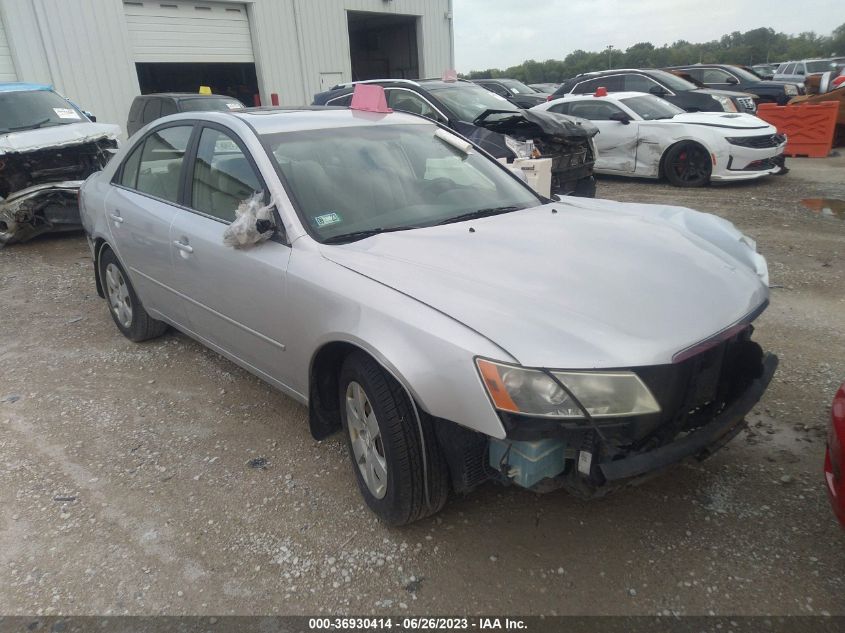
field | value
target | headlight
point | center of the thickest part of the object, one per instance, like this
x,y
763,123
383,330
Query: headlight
x,y
790,89
604,394
522,149
726,103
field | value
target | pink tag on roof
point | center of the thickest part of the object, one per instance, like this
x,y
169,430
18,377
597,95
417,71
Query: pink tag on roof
x,y
369,98
450,75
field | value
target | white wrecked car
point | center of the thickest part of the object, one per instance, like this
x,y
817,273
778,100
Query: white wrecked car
x,y
645,136
48,147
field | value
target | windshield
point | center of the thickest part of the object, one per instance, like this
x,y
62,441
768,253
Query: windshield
x,y
820,66
211,104
517,87
651,108
468,101
387,177
28,110
674,82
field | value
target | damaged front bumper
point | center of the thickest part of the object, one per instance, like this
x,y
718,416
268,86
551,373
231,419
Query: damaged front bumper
x,y
39,209
704,400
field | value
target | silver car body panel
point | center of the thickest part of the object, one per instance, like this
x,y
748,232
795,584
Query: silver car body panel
x,y
596,284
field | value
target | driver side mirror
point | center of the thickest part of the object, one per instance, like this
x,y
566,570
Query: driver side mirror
x,y
732,80
92,118
621,117
657,90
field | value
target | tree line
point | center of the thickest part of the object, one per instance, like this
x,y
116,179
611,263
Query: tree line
x,y
752,47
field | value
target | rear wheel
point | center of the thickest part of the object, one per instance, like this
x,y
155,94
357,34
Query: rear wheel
x,y
124,305
687,165
383,438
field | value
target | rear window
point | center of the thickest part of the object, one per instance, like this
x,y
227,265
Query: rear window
x,y
817,67
211,104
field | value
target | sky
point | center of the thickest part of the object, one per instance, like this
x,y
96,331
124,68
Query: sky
x,y
502,33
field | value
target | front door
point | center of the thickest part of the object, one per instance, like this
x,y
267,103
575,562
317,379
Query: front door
x,y
616,142
234,297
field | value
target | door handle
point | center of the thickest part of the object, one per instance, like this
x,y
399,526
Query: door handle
x,y
185,248
116,217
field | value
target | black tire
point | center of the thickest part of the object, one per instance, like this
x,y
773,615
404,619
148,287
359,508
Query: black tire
x,y
142,326
687,164
404,500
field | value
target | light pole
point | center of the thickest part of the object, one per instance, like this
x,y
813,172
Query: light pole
x,y
609,56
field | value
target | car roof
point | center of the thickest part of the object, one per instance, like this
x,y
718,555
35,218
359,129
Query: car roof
x,y
611,96
272,120
17,86
185,95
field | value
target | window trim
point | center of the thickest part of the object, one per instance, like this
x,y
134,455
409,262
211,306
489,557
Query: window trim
x,y
187,184
118,173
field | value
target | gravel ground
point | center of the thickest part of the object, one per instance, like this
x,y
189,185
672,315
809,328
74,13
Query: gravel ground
x,y
127,483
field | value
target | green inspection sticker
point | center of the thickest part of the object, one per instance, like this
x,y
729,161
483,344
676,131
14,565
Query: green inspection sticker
x,y
327,218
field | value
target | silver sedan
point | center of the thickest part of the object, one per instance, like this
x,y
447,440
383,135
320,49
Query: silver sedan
x,y
415,293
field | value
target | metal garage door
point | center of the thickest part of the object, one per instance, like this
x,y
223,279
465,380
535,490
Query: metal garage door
x,y
181,31
7,66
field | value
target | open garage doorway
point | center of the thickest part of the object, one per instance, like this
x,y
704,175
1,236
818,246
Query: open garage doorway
x,y
383,46
233,79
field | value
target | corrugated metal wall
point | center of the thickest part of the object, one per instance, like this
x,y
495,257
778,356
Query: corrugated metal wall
x,y
83,47
7,64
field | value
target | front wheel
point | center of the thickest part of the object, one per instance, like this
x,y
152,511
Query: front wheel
x,y
687,165
383,438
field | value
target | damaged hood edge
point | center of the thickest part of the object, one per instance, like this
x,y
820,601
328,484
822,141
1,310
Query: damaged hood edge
x,y
56,136
552,123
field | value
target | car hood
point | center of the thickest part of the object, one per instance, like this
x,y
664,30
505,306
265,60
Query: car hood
x,y
730,120
597,284
56,136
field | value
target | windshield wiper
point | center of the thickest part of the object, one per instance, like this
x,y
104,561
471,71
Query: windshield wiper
x,y
480,213
354,236
28,126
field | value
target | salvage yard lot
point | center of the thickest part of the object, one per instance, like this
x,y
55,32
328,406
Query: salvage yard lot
x,y
160,478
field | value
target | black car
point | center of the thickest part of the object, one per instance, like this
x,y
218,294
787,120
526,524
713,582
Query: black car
x,y
146,108
516,92
674,89
494,124
724,76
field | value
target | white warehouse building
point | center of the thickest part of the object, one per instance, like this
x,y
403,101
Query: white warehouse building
x,y
102,53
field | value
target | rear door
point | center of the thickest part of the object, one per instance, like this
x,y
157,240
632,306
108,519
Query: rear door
x,y
141,206
234,297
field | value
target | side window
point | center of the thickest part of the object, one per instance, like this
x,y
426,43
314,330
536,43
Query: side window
x,y
345,100
695,73
714,76
152,110
799,68
594,110
789,70
639,83
614,83
561,108
407,101
161,162
136,109
223,177
129,173
168,106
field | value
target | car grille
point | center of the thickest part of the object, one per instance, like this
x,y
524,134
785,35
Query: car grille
x,y
758,142
747,104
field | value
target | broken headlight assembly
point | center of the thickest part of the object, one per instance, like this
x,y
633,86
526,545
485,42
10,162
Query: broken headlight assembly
x,y
790,89
542,393
522,149
726,103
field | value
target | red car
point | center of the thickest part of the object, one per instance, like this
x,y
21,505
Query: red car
x,y
834,458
